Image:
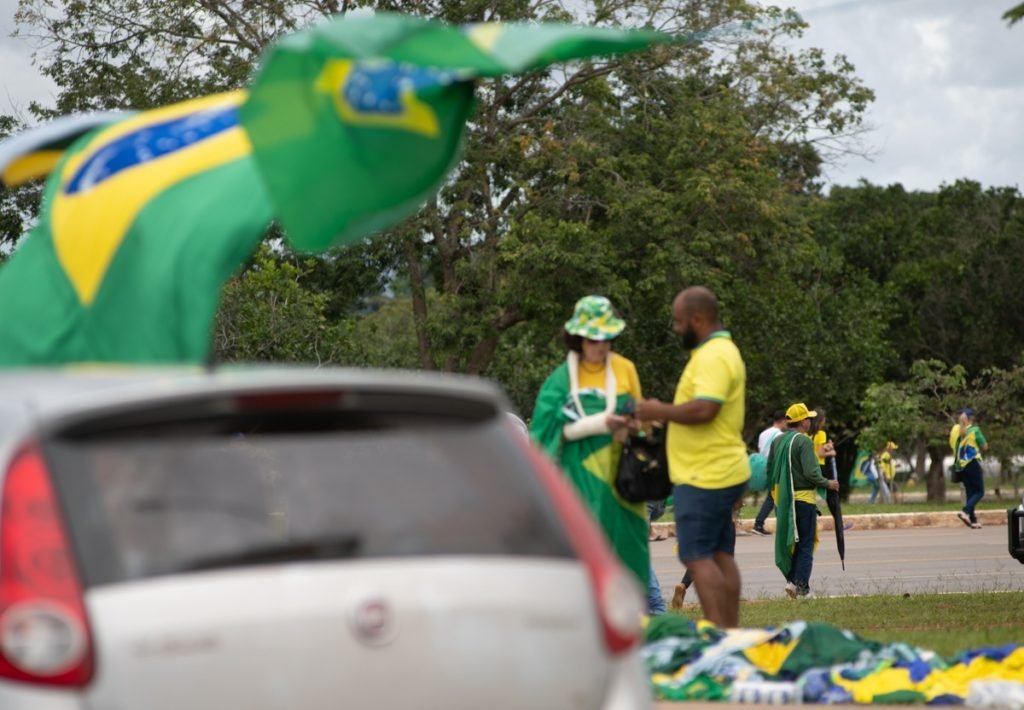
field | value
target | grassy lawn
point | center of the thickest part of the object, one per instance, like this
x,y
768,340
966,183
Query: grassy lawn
x,y
944,623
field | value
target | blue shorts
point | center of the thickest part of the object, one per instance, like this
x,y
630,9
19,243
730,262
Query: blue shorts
x,y
704,522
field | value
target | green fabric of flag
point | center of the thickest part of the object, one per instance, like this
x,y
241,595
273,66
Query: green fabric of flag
x,y
143,221
355,122
349,127
822,645
780,480
590,464
857,477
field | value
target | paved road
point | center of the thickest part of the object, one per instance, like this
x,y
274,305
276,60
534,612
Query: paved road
x,y
877,562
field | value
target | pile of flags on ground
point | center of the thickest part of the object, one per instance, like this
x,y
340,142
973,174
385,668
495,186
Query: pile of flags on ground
x,y
822,664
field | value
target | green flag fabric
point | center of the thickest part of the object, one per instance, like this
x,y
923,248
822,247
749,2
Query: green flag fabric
x,y
780,480
348,128
373,108
143,220
590,464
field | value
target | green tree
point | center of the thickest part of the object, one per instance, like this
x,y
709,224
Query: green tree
x,y
632,177
946,263
268,314
924,408
1014,15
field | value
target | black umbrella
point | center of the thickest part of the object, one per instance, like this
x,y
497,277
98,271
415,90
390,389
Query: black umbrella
x,y
834,507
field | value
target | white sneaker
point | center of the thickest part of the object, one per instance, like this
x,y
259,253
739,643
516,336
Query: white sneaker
x,y
790,589
976,526
964,518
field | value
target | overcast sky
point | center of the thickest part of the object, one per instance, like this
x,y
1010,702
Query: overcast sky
x,y
947,75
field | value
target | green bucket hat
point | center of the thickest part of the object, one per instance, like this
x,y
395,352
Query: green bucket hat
x,y
594,319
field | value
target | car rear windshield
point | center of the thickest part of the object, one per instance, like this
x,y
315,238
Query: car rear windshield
x,y
146,503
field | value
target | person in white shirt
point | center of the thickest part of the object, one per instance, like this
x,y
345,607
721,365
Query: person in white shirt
x,y
764,444
764,439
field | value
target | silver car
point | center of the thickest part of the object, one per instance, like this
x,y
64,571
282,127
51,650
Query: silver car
x,y
296,539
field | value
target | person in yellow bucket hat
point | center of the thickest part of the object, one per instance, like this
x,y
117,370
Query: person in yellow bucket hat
x,y
795,476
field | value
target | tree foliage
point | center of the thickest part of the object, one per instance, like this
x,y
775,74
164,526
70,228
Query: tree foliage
x,y
1014,15
267,314
633,177
924,408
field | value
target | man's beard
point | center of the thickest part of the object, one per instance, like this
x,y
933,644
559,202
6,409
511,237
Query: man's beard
x,y
690,340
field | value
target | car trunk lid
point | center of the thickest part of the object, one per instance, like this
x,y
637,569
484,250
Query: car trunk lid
x,y
451,632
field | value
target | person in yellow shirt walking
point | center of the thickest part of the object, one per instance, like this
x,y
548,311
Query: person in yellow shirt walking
x,y
886,466
707,458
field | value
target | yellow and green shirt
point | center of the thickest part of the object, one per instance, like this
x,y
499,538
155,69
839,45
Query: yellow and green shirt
x,y
626,379
966,446
819,439
711,455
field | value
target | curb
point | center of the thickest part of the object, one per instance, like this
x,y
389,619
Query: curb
x,y
879,521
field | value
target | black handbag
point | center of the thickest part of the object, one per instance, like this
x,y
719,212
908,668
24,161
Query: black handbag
x,y
955,475
642,474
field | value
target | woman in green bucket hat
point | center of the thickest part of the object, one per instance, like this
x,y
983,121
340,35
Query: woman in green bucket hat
x,y
582,414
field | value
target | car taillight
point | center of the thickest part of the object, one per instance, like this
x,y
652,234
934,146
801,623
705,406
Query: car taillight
x,y
44,630
619,601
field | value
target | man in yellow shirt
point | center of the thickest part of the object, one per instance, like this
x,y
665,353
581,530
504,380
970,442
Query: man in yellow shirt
x,y
707,458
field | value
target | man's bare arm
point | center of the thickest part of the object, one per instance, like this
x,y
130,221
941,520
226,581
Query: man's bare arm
x,y
696,411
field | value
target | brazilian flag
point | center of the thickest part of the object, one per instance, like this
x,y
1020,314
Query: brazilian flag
x,y
857,477
143,221
355,123
348,128
780,481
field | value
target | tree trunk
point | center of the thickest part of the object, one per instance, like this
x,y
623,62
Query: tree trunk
x,y
920,464
483,353
936,475
419,304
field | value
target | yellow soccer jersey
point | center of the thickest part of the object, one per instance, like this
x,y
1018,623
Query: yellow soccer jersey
x,y
711,455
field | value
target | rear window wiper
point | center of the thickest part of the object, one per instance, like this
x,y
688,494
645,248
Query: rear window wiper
x,y
338,547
